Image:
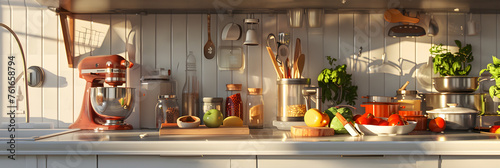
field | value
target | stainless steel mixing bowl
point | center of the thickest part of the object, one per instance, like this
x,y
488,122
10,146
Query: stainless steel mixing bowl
x,y
455,84
112,103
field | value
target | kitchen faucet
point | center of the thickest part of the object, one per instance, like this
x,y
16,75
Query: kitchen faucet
x,y
24,70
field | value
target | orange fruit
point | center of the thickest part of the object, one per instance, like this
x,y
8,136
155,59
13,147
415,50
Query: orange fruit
x,y
315,118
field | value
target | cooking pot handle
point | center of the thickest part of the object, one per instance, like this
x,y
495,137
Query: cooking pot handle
x,y
349,106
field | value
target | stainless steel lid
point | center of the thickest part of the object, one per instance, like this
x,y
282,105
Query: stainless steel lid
x,y
303,81
406,92
212,100
453,109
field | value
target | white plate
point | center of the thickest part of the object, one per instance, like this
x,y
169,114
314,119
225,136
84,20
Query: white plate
x,y
387,130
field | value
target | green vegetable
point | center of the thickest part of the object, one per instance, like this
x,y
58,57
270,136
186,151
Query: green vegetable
x,y
452,64
344,111
336,85
338,127
494,69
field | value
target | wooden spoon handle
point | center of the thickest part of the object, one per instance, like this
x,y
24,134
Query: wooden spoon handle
x,y
208,26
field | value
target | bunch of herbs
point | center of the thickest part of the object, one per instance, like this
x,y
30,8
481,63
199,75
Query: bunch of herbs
x,y
336,85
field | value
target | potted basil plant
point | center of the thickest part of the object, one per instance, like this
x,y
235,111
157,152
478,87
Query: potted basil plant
x,y
453,69
494,70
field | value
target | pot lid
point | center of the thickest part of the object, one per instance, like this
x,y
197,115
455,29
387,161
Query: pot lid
x,y
453,109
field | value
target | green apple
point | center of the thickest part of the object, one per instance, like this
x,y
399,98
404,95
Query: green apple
x,y
213,118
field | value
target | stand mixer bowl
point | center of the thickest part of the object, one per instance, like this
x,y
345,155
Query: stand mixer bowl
x,y
114,104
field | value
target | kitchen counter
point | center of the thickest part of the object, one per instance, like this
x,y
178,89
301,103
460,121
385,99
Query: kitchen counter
x,y
259,142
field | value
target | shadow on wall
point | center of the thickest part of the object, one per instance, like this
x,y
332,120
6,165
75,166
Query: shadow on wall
x,y
49,75
34,120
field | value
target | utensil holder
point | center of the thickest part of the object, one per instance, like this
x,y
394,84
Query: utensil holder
x,y
291,103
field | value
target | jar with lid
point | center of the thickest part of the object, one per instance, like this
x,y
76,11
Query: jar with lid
x,y
212,103
234,104
167,110
255,105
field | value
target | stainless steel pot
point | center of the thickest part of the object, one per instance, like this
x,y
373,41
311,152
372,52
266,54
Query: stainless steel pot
x,y
455,84
467,100
384,99
457,118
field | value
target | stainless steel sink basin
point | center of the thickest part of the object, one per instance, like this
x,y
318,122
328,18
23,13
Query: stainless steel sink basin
x,y
33,134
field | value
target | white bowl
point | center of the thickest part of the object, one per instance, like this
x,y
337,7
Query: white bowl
x,y
386,130
194,124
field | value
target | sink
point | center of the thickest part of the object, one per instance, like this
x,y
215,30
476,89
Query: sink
x,y
33,134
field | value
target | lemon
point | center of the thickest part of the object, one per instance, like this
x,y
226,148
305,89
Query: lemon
x,y
232,121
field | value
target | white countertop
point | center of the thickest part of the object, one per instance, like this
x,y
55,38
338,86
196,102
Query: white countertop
x,y
259,142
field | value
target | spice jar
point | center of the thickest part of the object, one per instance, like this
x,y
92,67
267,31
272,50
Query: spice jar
x,y
255,108
167,110
212,103
234,104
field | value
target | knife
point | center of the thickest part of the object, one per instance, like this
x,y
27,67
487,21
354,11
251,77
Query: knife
x,y
348,126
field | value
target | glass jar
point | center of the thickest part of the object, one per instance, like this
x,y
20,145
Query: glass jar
x,y
255,105
234,103
291,102
212,103
167,110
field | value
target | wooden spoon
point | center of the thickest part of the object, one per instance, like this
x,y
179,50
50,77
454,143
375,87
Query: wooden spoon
x,y
209,49
300,65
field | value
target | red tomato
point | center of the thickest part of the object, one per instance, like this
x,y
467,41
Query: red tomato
x,y
396,122
494,128
383,123
437,125
394,117
363,120
356,117
373,121
379,119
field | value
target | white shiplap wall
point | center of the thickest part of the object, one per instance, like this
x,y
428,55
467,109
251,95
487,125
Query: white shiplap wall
x,y
163,40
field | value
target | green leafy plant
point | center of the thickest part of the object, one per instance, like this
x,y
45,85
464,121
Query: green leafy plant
x,y
452,64
336,85
494,69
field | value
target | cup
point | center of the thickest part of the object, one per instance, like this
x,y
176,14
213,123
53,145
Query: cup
x,y
295,17
315,17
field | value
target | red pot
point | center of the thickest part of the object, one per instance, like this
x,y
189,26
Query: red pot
x,y
421,121
379,109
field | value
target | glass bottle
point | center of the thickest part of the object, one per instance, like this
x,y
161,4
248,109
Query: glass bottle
x,y
255,108
190,94
167,110
234,103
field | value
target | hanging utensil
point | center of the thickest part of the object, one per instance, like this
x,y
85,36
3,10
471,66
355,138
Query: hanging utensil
x,y
433,27
209,48
395,16
424,75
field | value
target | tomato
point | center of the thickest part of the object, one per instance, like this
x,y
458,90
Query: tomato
x,y
315,118
494,128
393,117
379,119
383,123
363,121
437,125
373,121
396,122
356,117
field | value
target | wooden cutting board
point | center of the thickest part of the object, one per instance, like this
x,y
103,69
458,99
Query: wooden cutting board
x,y
305,131
173,129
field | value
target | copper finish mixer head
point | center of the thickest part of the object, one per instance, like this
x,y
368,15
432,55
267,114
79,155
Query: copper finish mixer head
x,y
111,69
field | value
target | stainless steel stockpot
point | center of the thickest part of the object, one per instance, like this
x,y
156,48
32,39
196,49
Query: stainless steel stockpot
x,y
455,84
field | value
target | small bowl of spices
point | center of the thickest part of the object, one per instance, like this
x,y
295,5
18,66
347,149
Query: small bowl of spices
x,y
188,122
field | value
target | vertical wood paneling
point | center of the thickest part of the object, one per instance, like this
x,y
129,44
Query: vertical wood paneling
x,y
488,41
35,57
302,33
65,83
240,76
194,44
392,50
133,54
100,34
456,27
209,66
255,58
376,50
315,53
5,48
407,54
223,76
475,41
360,74
268,73
422,58
148,24
179,52
82,50
118,34
330,43
50,62
163,36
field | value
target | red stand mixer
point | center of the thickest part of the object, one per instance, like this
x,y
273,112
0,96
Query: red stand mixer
x,y
105,108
